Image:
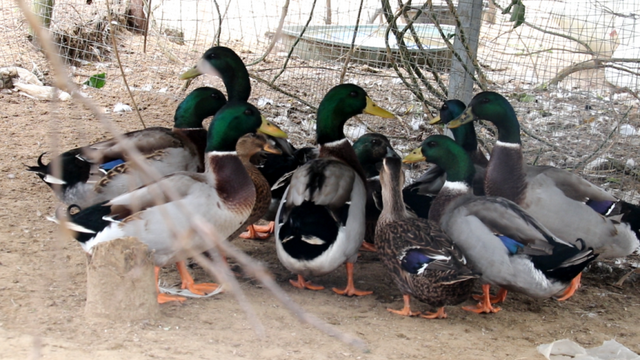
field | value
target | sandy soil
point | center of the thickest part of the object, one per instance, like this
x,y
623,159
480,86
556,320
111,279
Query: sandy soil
x,y
42,284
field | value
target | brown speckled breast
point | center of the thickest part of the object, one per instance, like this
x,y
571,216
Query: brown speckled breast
x,y
233,184
263,198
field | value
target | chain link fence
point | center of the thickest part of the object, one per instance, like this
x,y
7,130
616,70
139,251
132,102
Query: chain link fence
x,y
570,68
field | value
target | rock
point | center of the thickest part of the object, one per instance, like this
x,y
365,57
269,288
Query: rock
x,y
121,281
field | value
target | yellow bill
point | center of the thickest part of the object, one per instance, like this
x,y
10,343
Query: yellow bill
x,y
466,117
190,74
269,128
414,157
435,120
373,109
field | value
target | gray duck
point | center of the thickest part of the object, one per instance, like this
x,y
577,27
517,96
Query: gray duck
x,y
568,205
501,240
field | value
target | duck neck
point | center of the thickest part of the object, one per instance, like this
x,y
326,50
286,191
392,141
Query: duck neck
x,y
465,136
370,169
505,175
451,190
237,82
460,172
393,204
342,150
508,125
327,130
187,116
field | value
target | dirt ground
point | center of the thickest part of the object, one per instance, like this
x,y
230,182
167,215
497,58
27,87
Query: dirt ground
x,y
43,284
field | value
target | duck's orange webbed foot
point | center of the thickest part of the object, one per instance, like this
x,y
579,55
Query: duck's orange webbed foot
x,y
165,298
351,290
406,310
303,284
571,289
253,234
484,307
269,229
189,284
440,314
501,296
368,247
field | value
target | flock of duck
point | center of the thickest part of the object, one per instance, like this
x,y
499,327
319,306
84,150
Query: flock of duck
x,y
530,229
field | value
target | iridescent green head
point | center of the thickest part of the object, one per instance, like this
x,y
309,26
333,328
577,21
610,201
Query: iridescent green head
x,y
371,149
234,120
444,152
493,107
224,63
339,105
197,106
465,135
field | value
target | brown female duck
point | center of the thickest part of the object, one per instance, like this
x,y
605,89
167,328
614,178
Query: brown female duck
x,y
421,258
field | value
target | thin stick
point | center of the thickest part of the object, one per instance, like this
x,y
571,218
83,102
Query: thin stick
x,y
416,38
353,42
124,77
582,163
304,29
533,136
276,36
146,26
277,88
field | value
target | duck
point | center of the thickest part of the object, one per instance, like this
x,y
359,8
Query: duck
x,y
249,145
320,223
568,205
502,241
420,194
224,196
371,149
422,260
100,172
223,62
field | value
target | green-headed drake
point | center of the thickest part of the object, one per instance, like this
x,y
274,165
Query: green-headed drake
x,y
321,220
563,202
224,63
224,196
509,247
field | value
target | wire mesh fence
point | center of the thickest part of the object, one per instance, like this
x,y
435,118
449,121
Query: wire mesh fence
x,y
571,69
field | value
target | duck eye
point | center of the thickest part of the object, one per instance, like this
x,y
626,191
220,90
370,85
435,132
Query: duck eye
x,y
248,112
353,94
375,142
485,100
211,56
445,106
215,96
432,144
